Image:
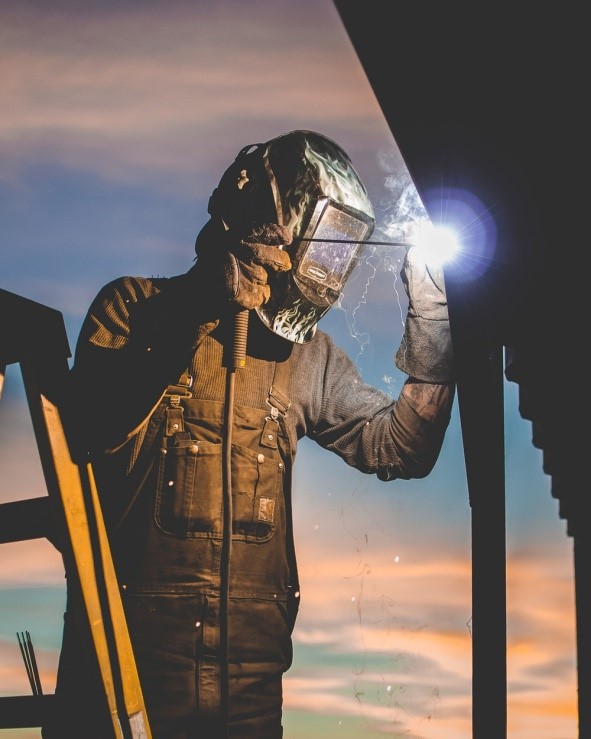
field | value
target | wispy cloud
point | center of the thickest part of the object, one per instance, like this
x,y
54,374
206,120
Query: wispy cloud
x,y
131,91
118,118
401,634
30,563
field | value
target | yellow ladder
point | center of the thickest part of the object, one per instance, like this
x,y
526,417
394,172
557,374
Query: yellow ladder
x,y
34,336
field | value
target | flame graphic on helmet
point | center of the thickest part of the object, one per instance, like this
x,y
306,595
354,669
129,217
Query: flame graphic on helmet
x,y
322,169
293,323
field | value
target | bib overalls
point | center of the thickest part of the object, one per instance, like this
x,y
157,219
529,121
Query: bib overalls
x,y
167,554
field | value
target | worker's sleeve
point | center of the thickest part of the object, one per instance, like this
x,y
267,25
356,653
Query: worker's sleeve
x,y
368,429
136,339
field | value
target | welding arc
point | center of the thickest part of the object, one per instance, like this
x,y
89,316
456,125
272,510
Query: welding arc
x,y
28,653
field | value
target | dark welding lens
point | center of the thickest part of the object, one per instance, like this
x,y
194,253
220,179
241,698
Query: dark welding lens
x,y
330,245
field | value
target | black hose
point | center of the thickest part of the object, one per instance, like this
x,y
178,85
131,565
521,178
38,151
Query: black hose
x,y
238,360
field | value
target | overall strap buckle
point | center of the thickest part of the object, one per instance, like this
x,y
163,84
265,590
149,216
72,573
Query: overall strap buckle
x,y
278,403
175,422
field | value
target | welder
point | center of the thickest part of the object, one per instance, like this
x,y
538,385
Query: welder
x,y
211,601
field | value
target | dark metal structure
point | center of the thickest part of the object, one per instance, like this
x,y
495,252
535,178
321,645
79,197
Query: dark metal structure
x,y
489,99
70,514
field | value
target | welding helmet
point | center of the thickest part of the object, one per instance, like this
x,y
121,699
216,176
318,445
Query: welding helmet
x,y
306,182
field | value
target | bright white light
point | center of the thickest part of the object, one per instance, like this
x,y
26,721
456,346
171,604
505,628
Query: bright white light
x,y
438,243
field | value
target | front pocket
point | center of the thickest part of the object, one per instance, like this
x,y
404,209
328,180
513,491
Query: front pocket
x,y
189,491
260,634
257,487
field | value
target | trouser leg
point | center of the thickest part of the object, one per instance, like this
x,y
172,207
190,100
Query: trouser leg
x,y
80,705
176,643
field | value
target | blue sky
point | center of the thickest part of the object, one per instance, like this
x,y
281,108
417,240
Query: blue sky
x,y
118,120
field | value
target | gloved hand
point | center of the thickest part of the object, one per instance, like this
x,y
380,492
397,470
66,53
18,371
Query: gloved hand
x,y
241,267
425,352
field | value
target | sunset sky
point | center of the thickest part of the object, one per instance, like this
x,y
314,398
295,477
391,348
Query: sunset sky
x,y
118,119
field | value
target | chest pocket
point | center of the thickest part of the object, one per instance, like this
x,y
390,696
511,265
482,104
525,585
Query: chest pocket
x,y
189,493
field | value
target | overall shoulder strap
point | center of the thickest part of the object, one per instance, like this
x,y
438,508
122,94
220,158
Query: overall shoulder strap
x,y
144,438
279,390
279,403
142,457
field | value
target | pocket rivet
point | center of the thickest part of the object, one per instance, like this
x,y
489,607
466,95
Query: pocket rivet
x,y
261,458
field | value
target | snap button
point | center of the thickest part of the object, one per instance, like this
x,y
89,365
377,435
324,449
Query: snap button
x,y
194,448
261,458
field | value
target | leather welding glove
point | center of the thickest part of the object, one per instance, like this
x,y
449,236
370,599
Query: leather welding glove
x,y
241,267
425,352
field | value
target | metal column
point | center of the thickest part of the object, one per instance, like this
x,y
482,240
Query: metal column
x,y
479,362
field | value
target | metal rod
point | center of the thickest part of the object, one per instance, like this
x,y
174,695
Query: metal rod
x,y
34,664
27,664
355,241
28,654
